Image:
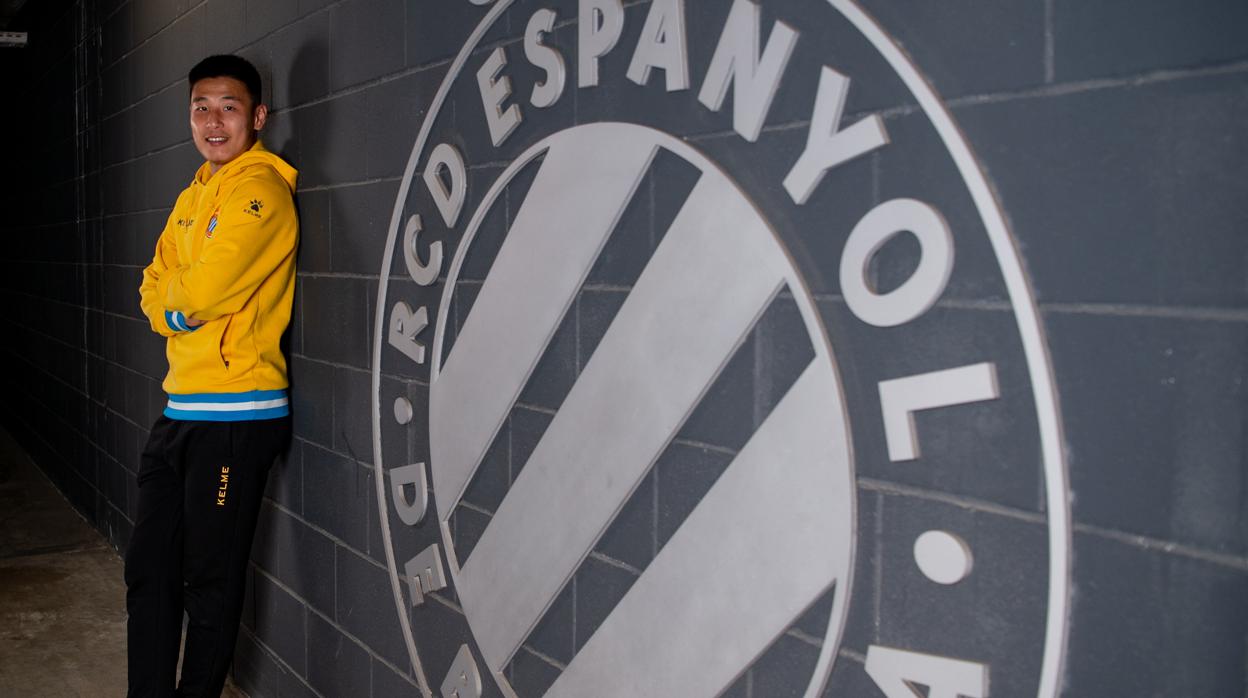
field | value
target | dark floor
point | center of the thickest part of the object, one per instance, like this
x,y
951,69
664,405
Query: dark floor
x,y
62,613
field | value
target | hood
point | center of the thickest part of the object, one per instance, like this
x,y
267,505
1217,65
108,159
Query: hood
x,y
257,156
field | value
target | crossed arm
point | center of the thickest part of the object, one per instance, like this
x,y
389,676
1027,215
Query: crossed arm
x,y
245,249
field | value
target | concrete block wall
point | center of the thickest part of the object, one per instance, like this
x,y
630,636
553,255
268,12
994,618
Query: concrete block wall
x,y
1112,134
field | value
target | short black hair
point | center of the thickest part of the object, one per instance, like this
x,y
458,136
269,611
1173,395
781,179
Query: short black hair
x,y
228,66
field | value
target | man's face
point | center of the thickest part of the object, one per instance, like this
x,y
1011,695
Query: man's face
x,y
224,121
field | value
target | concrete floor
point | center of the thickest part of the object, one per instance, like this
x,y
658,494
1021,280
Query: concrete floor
x,y
62,599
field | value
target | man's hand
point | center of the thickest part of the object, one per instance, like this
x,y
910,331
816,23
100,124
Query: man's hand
x,y
192,322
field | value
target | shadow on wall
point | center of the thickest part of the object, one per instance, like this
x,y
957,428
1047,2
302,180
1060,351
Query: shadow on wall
x,y
311,59
281,136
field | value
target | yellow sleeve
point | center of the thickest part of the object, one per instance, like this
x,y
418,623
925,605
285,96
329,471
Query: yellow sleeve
x,y
163,322
256,231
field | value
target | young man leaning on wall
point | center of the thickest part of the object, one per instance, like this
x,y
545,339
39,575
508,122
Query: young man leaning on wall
x,y
220,288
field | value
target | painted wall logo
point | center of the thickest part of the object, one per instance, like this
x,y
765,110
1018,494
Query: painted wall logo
x,y
673,397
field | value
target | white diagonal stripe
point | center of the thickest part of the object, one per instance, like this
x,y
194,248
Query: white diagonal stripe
x,y
713,275
556,237
723,575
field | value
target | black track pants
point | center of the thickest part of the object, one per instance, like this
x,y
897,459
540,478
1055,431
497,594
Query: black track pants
x,y
200,486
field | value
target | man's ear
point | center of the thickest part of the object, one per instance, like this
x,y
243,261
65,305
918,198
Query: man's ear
x,y
261,116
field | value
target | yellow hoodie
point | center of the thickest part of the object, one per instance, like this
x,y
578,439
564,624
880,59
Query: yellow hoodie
x,y
227,257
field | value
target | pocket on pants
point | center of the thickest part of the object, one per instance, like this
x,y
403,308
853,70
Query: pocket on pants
x,y
155,455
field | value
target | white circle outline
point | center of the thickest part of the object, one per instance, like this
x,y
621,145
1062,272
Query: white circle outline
x,y
1018,288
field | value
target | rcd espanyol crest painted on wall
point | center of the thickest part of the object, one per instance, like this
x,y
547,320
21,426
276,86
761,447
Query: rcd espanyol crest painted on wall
x,y
705,364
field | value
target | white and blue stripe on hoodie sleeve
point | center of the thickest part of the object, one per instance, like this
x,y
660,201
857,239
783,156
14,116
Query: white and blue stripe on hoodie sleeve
x,y
177,322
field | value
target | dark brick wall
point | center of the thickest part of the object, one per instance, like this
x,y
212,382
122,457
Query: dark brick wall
x,y
1112,132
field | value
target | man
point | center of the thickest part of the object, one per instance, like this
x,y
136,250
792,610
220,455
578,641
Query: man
x,y
220,288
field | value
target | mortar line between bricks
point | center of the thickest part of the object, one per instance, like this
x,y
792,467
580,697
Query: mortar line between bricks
x,y
618,564
1236,562
49,376
327,362
406,380
80,390
74,179
114,507
347,185
804,637
31,430
161,150
576,603
278,659
329,96
136,47
1140,541
336,275
367,85
877,566
115,11
483,165
42,299
71,304
440,280
1209,313
713,448
437,596
105,216
852,655
473,507
64,57
1048,90
125,368
137,212
58,263
119,316
611,288
312,609
333,538
540,409
85,439
1054,90
345,456
149,39
545,657
971,503
415,690
1049,42
1159,311
50,224
98,405
75,348
83,435
1095,84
